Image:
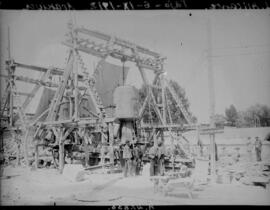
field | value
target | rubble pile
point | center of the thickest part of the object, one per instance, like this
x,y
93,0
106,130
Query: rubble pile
x,y
10,150
248,173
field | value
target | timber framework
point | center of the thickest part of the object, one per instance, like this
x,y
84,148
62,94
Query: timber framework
x,y
77,111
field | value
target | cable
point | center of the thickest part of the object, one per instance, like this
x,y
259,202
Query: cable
x,y
239,54
237,47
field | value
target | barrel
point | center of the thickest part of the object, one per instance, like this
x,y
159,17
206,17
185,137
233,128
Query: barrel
x,y
126,102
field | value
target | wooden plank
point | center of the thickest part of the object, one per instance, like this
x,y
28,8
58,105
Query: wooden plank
x,y
210,131
97,166
54,70
32,81
24,94
161,126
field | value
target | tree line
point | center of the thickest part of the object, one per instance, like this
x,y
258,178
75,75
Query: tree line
x,y
257,115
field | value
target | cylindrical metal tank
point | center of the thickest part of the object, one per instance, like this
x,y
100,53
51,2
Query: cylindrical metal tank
x,y
126,101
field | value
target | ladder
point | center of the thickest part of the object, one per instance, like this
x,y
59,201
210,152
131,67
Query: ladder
x,y
179,102
91,86
94,93
54,107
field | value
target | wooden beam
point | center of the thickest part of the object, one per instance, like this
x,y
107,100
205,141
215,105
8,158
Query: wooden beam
x,y
155,107
24,94
55,104
25,144
85,49
32,81
61,152
35,89
161,126
142,109
118,41
54,70
114,53
36,155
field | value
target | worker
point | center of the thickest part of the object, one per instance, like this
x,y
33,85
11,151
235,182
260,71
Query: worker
x,y
216,152
86,152
153,159
111,155
237,154
132,160
161,158
120,154
200,144
258,148
127,155
249,149
102,154
137,159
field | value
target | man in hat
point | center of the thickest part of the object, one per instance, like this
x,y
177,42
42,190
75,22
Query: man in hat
x,y
127,159
258,148
153,159
120,154
137,153
161,158
102,154
87,142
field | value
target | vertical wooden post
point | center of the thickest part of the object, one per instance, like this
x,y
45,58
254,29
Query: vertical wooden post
x,y
10,83
61,150
163,100
75,70
155,138
1,141
11,107
111,139
102,151
25,144
70,107
36,154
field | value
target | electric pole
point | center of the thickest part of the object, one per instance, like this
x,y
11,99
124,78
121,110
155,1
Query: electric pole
x,y
211,103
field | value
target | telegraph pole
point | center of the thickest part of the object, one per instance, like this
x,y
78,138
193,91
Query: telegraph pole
x,y
10,72
211,103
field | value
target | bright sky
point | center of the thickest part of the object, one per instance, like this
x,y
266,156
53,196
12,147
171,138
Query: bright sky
x,y
240,48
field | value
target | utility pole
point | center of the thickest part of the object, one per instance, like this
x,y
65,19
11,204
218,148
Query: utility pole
x,y
10,72
211,102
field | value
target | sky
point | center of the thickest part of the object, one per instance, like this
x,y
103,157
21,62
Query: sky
x,y
240,48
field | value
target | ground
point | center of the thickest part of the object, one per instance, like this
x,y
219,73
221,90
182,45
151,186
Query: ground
x,y
21,186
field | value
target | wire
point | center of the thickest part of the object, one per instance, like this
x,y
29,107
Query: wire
x,y
239,47
197,71
239,54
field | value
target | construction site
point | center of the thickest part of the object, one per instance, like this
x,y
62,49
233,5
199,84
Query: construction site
x,y
67,140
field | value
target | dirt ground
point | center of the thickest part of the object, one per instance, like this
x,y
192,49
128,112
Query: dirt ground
x,y
21,186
